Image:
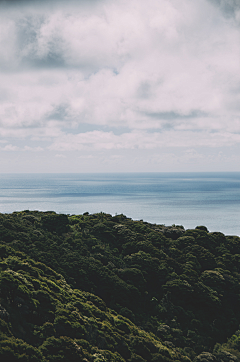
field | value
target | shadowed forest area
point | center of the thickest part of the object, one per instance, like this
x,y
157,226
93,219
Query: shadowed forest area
x,y
97,287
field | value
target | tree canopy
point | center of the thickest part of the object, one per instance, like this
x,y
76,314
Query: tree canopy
x,y
108,288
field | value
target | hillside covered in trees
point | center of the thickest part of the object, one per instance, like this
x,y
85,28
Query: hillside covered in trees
x,y
107,288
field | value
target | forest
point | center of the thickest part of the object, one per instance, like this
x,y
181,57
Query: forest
x,y
97,287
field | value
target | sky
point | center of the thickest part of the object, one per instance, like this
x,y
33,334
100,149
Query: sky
x,y
119,86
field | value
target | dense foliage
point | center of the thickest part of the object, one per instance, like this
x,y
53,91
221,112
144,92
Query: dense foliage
x,y
107,288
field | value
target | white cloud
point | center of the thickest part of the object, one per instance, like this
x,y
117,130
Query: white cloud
x,y
142,140
60,155
33,149
168,71
9,147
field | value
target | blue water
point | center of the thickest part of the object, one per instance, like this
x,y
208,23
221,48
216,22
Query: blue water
x,y
188,199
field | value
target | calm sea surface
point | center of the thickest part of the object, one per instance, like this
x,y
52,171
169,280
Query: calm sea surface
x,y
188,199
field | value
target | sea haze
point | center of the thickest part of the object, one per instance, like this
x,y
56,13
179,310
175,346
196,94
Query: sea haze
x,y
188,199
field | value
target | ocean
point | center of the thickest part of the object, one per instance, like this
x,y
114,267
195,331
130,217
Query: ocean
x,y
188,199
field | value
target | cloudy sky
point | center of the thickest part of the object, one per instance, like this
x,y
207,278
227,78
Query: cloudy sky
x,y
119,85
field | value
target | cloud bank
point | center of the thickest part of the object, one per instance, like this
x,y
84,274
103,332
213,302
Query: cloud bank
x,y
130,77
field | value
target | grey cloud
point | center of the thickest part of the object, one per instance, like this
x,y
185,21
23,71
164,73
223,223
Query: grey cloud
x,y
86,127
39,35
47,39
228,7
171,116
46,2
52,60
74,125
144,90
60,113
28,34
